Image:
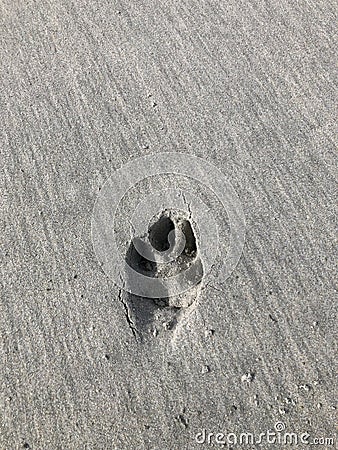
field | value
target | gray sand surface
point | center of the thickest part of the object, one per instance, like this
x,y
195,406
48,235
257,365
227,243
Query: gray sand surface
x,y
86,86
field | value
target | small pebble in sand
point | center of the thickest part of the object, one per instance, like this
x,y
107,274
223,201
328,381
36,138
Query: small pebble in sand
x,y
247,378
305,387
205,369
208,333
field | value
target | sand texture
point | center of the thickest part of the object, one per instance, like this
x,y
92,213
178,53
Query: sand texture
x,y
86,87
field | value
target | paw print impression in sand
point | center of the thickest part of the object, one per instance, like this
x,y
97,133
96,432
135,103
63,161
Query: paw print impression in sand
x,y
169,250
162,225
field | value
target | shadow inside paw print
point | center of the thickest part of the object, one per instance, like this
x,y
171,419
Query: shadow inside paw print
x,y
149,314
159,233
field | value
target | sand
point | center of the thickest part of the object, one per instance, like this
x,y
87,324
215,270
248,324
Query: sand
x,y
88,86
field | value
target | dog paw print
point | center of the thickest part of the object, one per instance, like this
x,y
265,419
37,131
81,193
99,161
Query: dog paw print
x,y
168,250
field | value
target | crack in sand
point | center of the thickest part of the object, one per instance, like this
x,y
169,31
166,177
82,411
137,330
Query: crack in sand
x,y
128,315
